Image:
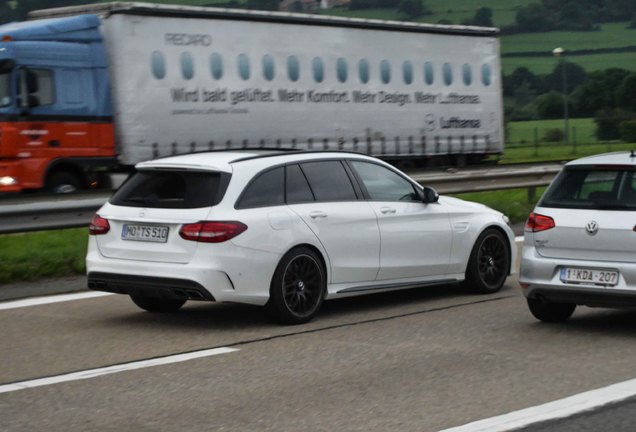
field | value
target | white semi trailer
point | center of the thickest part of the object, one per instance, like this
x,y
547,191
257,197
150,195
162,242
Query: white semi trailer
x,y
147,80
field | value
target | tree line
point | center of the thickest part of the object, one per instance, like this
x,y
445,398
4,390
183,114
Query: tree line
x,y
609,96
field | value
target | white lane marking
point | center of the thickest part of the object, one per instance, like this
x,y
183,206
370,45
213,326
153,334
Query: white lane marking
x,y
93,373
558,409
36,301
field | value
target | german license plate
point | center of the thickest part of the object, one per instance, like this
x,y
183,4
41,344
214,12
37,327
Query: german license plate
x,y
147,233
589,276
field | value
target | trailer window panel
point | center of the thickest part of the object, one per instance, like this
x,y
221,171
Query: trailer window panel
x,y
407,72
385,71
318,68
158,65
293,68
341,69
187,66
486,75
467,74
243,63
429,73
268,67
216,66
363,71
447,73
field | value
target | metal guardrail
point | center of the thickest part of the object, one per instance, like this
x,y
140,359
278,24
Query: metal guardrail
x,y
69,211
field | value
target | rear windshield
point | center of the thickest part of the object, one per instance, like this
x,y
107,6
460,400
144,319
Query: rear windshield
x,y
172,189
591,187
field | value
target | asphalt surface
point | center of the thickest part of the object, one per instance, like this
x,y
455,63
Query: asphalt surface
x,y
413,360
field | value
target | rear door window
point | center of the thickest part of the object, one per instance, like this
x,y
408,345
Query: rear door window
x,y
611,188
171,189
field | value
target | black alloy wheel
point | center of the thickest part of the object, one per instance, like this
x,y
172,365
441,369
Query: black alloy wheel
x,y
489,263
298,287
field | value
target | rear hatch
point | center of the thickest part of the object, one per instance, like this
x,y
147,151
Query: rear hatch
x,y
594,214
147,212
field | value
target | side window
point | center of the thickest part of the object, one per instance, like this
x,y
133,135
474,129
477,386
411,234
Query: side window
x,y
319,69
296,186
40,84
429,73
329,181
158,65
385,71
216,66
268,67
187,66
407,72
447,72
243,63
383,184
265,190
293,68
363,70
341,69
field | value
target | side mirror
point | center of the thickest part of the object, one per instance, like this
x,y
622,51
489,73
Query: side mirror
x,y
429,195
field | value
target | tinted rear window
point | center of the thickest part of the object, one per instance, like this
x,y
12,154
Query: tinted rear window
x,y
603,188
171,189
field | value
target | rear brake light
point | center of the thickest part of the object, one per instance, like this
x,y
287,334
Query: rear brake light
x,y
98,225
211,232
537,222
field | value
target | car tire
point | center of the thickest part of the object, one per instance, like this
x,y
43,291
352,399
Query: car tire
x,y
550,312
157,304
298,287
489,263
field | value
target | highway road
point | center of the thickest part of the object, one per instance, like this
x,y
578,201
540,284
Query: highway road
x,y
420,360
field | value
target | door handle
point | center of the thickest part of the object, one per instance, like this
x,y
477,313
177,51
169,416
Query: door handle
x,y
317,215
387,210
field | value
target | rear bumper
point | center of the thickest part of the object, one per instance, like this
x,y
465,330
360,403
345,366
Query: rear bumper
x,y
148,286
590,297
540,279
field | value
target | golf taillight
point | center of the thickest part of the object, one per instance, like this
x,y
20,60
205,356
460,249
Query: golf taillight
x,y
211,231
98,225
537,222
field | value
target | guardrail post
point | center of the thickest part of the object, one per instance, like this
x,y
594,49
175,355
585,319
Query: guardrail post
x,y
532,194
573,134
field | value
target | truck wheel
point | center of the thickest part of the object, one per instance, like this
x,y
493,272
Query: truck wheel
x,y
489,263
156,304
298,287
62,182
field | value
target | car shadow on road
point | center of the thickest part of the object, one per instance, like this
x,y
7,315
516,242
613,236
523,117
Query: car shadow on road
x,y
614,322
232,317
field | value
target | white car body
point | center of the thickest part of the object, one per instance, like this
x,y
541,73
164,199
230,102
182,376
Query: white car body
x,y
582,250
366,245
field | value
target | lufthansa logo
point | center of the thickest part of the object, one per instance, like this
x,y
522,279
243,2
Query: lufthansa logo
x,y
591,228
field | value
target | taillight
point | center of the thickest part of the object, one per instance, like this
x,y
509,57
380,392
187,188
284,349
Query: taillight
x,y
211,232
98,225
537,222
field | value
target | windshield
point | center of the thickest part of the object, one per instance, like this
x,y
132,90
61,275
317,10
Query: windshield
x,y
591,187
5,89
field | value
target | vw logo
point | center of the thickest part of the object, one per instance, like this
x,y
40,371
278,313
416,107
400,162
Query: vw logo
x,y
591,228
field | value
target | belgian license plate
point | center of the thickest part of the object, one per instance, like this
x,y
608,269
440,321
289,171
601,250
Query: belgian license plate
x,y
589,276
147,233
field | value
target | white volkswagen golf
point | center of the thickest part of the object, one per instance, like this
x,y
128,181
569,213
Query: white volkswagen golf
x,y
287,230
580,240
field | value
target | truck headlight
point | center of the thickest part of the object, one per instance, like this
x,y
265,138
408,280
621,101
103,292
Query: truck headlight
x,y
8,181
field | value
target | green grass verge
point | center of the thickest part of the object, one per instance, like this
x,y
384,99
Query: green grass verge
x,y
514,203
33,256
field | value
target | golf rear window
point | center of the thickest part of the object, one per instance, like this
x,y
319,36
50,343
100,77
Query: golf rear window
x,y
593,187
171,189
